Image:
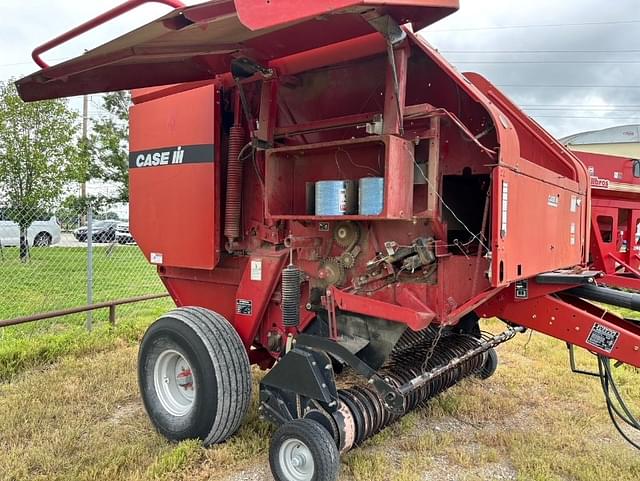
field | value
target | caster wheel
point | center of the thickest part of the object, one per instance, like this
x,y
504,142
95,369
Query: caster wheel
x,y
490,365
302,450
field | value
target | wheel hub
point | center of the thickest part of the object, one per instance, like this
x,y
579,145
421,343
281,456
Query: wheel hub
x,y
296,460
174,383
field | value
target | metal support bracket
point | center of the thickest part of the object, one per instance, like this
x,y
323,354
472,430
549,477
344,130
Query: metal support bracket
x,y
392,398
395,35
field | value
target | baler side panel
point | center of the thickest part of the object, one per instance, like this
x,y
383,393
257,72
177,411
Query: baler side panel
x,y
540,226
174,207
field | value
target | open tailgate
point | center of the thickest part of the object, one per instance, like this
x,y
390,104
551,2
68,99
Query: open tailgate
x,y
198,42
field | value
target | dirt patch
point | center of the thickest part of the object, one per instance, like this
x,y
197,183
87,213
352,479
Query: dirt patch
x,y
126,412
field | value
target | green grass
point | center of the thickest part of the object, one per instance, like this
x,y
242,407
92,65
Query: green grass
x,y
81,419
21,351
55,278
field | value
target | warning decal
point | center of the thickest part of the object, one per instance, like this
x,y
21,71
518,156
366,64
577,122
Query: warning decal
x,y
244,307
603,337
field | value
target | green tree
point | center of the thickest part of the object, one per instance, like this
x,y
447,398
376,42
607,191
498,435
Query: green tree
x,y
38,156
109,144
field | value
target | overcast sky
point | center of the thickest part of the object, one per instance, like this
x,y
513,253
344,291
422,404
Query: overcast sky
x,y
573,65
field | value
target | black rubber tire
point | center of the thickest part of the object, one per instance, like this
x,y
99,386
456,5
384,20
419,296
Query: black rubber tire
x,y
220,368
490,365
43,239
322,446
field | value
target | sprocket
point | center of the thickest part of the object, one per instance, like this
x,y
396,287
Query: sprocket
x,y
331,272
346,234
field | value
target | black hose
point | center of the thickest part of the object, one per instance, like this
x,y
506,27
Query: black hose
x,y
613,297
608,385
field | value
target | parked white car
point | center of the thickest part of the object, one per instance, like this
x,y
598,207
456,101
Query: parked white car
x,y
41,233
123,236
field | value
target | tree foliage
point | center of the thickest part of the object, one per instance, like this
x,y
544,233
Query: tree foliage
x,y
109,144
38,152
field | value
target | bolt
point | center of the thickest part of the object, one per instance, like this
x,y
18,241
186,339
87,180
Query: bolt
x,y
636,348
577,328
324,385
533,316
553,318
332,403
328,366
308,306
313,363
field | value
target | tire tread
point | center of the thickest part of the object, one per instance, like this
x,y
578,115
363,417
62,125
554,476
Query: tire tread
x,y
231,366
323,447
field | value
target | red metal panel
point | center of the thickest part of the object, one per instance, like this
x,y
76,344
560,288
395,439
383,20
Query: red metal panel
x,y
622,281
538,226
258,14
260,278
416,320
610,173
174,207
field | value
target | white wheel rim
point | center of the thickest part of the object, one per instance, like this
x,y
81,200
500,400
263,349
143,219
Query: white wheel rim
x,y
174,383
296,460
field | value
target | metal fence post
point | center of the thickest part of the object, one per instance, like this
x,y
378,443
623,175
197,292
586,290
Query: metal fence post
x,y
89,322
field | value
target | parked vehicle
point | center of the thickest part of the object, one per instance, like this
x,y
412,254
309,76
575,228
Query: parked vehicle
x,y
43,232
102,231
123,236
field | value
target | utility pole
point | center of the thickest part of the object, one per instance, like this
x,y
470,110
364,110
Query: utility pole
x,y
85,125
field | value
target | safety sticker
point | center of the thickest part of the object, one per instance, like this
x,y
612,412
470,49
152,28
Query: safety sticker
x,y
505,209
553,200
522,289
256,270
156,258
603,337
323,227
244,307
574,203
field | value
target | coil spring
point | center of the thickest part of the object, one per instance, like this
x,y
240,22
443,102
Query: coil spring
x,y
234,184
291,296
369,414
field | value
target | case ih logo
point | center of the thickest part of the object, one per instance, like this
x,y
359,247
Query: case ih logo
x,y
599,183
188,154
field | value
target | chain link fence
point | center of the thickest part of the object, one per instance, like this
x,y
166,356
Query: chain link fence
x,y
60,260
